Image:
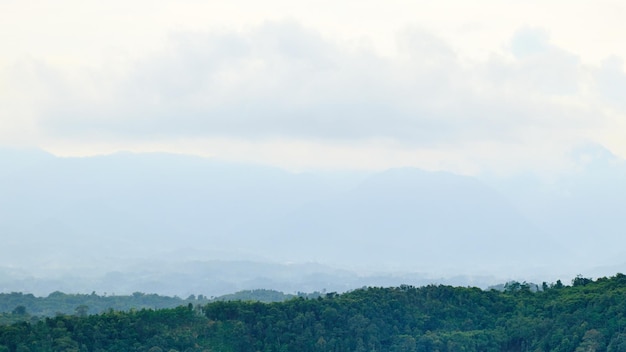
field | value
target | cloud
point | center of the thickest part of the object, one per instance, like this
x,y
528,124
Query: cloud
x,y
542,67
530,41
284,81
24,88
611,82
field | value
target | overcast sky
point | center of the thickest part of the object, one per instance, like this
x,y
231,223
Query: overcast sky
x,y
465,86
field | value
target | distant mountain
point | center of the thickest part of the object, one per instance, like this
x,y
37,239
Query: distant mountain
x,y
140,222
583,209
409,218
217,278
81,210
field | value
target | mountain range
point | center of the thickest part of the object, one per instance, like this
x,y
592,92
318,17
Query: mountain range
x,y
127,222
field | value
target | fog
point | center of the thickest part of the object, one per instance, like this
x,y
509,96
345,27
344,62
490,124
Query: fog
x,y
177,224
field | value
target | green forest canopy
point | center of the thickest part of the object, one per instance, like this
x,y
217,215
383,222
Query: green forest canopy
x,y
17,306
588,315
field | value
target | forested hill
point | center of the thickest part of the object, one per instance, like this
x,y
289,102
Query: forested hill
x,y
17,306
588,315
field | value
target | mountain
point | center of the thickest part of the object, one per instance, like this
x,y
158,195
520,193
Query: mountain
x,y
408,218
131,206
132,222
583,208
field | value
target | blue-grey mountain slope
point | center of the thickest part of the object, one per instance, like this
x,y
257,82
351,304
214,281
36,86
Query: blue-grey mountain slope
x,y
584,208
125,213
418,220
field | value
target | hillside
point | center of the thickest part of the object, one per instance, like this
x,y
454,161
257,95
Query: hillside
x,y
17,306
586,316
182,225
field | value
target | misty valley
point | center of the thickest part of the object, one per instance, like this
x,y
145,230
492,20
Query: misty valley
x,y
180,225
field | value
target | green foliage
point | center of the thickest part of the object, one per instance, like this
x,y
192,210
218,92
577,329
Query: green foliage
x,y
16,307
84,304
586,316
261,295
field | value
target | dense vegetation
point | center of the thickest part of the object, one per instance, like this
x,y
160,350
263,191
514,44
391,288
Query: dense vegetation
x,y
16,307
586,316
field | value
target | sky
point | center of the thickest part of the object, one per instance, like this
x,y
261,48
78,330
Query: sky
x,y
469,87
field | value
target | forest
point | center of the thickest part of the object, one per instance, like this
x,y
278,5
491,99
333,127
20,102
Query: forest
x,y
17,306
584,315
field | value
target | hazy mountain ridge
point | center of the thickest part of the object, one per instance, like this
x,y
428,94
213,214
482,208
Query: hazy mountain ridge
x,y
86,217
215,278
583,208
417,219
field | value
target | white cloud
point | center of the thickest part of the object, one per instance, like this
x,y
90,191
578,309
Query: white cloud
x,y
263,83
283,80
611,82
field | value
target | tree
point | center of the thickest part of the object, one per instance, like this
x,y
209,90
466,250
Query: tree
x,y
593,341
19,310
82,310
618,343
581,281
